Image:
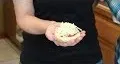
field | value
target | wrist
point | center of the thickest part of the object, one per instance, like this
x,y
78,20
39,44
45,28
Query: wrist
x,y
49,24
49,33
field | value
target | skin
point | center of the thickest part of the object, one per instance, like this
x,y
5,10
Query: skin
x,y
25,17
27,21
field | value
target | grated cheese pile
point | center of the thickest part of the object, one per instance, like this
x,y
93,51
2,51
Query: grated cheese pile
x,y
66,30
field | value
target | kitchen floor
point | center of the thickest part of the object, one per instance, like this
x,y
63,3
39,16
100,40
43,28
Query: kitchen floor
x,y
9,54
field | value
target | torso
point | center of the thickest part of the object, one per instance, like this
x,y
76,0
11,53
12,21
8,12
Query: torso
x,y
78,12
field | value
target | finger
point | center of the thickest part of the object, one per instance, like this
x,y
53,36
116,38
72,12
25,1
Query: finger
x,y
82,34
71,42
56,43
49,35
63,44
78,39
74,37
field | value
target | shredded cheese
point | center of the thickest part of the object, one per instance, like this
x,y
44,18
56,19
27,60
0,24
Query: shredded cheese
x,y
66,29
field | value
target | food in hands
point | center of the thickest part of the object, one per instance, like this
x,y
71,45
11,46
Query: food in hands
x,y
65,31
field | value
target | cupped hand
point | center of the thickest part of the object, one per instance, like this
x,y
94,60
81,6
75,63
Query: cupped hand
x,y
50,34
51,30
73,40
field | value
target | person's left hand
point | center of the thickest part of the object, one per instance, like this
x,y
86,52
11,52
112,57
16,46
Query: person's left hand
x,y
73,40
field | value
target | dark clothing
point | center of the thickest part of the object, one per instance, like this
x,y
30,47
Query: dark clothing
x,y
37,49
117,51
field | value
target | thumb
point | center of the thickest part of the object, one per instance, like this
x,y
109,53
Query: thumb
x,y
49,35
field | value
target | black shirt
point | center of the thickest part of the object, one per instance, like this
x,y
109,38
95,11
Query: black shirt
x,y
37,49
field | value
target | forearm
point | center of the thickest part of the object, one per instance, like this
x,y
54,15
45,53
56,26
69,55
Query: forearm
x,y
32,24
26,19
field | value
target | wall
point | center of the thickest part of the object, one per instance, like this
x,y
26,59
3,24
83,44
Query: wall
x,y
1,18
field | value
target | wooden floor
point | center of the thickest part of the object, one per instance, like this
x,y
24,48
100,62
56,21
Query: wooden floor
x,y
8,53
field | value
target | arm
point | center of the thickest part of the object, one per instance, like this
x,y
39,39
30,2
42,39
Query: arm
x,y
28,22
25,17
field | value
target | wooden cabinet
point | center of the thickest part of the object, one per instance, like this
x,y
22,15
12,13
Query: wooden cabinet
x,y
1,19
108,33
10,22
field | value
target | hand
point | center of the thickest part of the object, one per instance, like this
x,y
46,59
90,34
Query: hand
x,y
74,40
51,30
